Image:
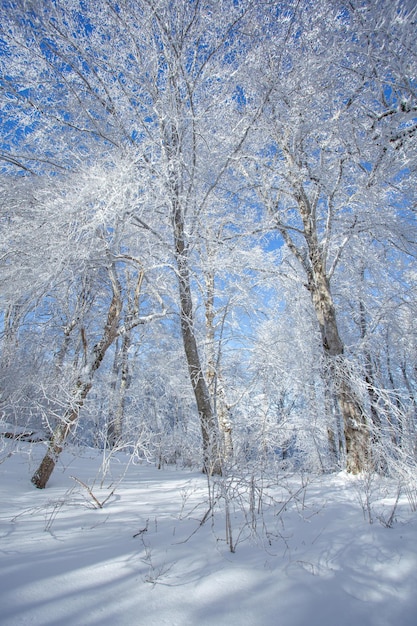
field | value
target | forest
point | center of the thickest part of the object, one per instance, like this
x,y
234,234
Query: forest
x,y
208,232
208,312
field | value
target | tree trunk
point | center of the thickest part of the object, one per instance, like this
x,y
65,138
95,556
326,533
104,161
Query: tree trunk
x,y
115,428
45,469
354,420
334,425
211,452
379,458
212,462
357,440
214,378
313,261
111,434
84,384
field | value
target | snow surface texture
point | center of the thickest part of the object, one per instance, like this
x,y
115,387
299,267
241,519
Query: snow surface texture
x,y
305,552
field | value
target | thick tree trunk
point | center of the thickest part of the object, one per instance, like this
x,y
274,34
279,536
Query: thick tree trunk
x,y
211,453
111,434
356,432
358,451
116,417
355,427
334,424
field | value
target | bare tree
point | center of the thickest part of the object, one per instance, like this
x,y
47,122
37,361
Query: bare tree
x,y
290,122
161,85
320,177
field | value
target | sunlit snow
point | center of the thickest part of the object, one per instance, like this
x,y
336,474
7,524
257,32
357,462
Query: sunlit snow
x,y
302,555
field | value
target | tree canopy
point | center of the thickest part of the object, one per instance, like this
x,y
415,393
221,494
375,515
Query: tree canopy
x,y
208,228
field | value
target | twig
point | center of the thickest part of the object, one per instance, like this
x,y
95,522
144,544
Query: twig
x,y
91,494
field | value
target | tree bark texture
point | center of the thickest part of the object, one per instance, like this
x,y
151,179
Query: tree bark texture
x,y
115,426
84,384
356,431
211,452
212,462
42,475
214,378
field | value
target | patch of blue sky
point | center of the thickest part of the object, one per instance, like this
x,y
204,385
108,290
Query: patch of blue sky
x,y
85,26
230,53
197,55
239,97
137,136
366,165
270,152
16,123
402,175
272,241
397,96
344,15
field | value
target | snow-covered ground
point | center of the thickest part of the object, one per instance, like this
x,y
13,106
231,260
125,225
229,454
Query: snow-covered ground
x,y
305,554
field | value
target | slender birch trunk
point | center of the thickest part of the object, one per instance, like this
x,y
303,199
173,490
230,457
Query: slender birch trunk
x,y
379,458
121,362
112,330
83,386
214,377
212,461
115,428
